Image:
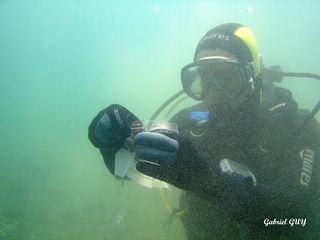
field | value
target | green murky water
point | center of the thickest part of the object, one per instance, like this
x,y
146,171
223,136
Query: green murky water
x,y
63,61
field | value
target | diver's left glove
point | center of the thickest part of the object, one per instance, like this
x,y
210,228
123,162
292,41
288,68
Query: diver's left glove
x,y
108,131
174,161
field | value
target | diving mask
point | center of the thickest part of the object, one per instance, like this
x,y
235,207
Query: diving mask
x,y
228,76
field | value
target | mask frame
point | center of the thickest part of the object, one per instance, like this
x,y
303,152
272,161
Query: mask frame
x,y
197,75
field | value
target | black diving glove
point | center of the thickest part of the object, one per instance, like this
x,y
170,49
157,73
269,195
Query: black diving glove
x,y
174,161
177,162
108,131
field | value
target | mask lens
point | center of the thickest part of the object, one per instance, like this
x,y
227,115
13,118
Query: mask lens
x,y
192,82
229,77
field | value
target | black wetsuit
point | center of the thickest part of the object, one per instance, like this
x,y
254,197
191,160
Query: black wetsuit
x,y
284,160
266,138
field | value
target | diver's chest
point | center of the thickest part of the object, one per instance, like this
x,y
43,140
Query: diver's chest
x,y
236,148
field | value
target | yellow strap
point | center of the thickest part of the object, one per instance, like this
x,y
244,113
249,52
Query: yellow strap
x,y
246,35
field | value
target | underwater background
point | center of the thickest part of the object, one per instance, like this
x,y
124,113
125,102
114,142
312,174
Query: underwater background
x,y
61,62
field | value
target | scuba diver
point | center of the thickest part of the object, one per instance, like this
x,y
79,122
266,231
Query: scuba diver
x,y
246,156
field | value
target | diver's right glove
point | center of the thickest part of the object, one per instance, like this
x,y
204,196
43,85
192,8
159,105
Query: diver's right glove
x,y
108,131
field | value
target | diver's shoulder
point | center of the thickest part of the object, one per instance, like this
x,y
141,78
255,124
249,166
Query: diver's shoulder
x,y
313,124
276,95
